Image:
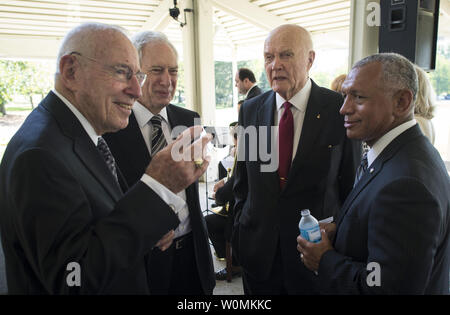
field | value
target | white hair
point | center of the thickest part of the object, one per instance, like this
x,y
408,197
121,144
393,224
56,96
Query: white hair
x,y
141,39
79,38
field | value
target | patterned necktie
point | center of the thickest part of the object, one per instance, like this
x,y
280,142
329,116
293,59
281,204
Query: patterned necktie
x,y
107,156
286,142
362,168
157,136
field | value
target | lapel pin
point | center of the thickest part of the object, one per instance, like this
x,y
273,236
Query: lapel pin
x,y
318,116
330,146
372,170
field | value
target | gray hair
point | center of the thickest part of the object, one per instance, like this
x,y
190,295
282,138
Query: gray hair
x,y
79,38
141,39
398,72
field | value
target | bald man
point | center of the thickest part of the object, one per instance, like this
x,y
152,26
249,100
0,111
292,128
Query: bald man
x,y
315,170
66,226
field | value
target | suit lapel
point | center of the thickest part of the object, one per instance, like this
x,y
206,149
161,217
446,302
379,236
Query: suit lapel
x,y
265,119
312,125
83,146
377,166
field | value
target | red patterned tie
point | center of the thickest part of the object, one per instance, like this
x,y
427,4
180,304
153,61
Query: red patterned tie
x,y
286,140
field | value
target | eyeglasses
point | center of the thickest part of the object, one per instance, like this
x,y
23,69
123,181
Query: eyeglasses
x,y
121,73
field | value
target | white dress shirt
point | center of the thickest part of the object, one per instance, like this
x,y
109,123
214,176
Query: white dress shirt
x,y
384,141
175,202
143,117
299,102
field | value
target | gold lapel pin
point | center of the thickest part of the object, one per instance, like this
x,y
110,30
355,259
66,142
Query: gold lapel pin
x,y
318,116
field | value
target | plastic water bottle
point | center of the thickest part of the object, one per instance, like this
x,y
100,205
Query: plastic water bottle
x,y
309,227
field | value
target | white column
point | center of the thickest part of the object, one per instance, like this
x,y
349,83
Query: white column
x,y
198,52
234,70
364,29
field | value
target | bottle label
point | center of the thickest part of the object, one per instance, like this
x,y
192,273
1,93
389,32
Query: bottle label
x,y
313,234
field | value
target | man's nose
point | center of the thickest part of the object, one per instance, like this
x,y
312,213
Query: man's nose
x,y
276,63
134,88
165,78
345,108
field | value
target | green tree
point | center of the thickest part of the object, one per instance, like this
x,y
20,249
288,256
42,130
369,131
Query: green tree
x,y
440,78
10,72
36,78
224,84
24,78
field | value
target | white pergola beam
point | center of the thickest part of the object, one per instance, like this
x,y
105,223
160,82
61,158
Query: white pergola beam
x,y
250,13
160,18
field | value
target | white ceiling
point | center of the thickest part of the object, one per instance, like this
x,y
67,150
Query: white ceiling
x,y
34,28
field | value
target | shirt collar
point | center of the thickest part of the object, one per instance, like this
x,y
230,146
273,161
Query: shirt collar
x,y
143,115
84,122
384,141
299,100
246,94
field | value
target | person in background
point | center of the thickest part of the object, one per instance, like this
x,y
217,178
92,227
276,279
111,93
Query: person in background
x,y
336,85
245,82
425,105
220,223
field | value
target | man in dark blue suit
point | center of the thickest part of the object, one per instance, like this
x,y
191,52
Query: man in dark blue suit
x,y
185,267
67,227
393,231
315,171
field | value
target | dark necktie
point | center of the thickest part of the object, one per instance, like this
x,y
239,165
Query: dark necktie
x,y
157,136
362,168
285,141
107,156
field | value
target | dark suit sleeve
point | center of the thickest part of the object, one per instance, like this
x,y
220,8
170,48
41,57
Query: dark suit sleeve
x,y
404,227
225,193
55,224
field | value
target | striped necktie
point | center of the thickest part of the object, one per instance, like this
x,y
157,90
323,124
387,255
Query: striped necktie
x,y
362,168
158,141
107,156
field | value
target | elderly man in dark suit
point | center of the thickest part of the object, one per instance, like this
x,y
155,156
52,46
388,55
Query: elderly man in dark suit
x,y
393,233
315,170
186,267
66,226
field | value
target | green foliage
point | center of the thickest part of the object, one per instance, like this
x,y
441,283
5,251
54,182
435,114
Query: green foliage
x,y
224,84
179,98
25,78
440,78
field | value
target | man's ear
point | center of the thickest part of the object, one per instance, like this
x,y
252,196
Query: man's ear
x,y
311,58
68,69
404,102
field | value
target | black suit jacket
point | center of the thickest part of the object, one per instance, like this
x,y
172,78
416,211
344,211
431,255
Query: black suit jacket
x,y
59,203
132,156
320,178
398,215
255,91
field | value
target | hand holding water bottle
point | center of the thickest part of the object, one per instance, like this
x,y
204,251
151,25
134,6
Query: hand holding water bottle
x,y
313,242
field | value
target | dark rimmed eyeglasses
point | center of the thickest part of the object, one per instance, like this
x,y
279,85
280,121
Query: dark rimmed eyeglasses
x,y
122,73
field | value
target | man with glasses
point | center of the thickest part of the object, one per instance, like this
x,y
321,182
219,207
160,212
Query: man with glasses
x,y
67,226
186,266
